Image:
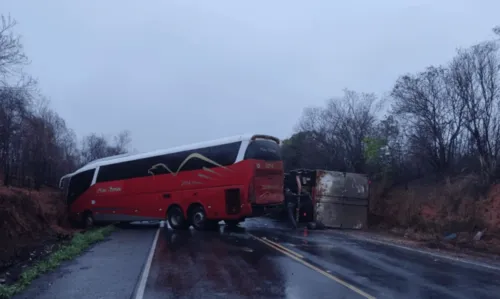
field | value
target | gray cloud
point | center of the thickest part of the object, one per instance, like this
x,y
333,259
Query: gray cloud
x,y
175,72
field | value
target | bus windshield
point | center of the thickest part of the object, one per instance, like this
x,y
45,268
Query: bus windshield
x,y
263,149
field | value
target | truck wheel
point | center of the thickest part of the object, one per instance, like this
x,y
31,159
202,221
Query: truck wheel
x,y
176,219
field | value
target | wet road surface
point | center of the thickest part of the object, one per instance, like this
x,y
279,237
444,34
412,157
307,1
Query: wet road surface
x,y
386,271
260,260
231,265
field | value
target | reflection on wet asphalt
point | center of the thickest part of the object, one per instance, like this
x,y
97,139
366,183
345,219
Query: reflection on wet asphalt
x,y
191,264
195,264
387,271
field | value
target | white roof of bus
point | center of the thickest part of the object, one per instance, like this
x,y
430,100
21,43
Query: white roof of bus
x,y
131,157
111,157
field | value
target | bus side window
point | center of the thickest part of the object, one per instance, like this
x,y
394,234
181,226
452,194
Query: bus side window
x,y
224,154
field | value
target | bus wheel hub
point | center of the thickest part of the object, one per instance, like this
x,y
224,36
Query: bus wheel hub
x,y
198,218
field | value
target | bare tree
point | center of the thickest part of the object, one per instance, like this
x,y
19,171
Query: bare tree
x,y
302,151
11,50
94,147
475,79
340,128
54,152
36,146
97,146
122,142
435,116
496,30
356,115
314,136
13,109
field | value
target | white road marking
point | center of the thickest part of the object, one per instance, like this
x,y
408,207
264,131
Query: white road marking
x,y
145,273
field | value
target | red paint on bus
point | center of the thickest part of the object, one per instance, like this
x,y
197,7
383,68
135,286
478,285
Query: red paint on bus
x,y
150,197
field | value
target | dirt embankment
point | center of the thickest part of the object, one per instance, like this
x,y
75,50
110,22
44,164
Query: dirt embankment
x,y
31,224
449,214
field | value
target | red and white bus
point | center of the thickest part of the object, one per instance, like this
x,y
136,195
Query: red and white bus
x,y
228,179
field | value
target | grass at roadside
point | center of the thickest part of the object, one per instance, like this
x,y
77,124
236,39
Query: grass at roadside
x,y
75,247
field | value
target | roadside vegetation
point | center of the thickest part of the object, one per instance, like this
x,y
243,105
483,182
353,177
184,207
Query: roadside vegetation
x,y
37,147
431,147
78,244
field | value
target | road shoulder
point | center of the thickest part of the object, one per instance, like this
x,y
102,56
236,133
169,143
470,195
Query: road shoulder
x,y
467,257
109,269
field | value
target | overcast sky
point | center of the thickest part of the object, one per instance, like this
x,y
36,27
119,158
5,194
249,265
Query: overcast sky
x,y
176,72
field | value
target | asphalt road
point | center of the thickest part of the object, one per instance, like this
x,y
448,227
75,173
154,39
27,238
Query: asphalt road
x,y
385,271
231,265
261,260
108,270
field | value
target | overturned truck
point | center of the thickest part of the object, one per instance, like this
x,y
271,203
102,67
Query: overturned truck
x,y
324,198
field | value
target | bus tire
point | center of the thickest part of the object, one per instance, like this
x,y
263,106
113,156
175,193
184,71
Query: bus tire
x,y
175,218
87,220
198,218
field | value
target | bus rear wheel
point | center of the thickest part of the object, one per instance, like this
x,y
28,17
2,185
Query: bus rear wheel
x,y
198,219
175,218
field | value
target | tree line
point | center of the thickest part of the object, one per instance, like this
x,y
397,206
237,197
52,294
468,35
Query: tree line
x,y
36,145
442,121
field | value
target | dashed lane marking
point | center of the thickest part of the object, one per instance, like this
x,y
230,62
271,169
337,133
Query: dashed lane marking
x,y
282,247
297,257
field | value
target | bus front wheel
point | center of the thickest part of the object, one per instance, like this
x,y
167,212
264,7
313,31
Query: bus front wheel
x,y
88,220
175,218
